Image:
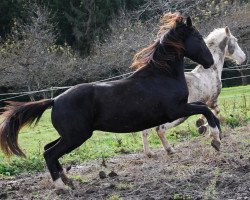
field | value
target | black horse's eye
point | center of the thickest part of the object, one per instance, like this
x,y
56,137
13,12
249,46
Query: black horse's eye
x,y
196,33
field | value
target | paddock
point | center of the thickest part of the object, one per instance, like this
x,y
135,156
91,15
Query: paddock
x,y
195,162
196,171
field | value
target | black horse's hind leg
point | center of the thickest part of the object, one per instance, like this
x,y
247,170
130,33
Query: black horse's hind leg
x,y
60,169
49,145
199,108
62,147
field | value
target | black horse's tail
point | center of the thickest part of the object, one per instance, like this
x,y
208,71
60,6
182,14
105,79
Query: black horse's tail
x,y
15,115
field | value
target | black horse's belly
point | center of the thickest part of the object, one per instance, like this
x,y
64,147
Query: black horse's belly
x,y
126,119
124,123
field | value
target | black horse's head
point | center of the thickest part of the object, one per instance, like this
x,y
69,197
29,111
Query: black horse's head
x,y
175,38
195,47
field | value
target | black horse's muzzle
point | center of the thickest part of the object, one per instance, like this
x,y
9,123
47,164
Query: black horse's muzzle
x,y
208,64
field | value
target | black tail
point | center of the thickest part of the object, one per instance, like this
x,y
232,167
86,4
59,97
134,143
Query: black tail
x,y
15,116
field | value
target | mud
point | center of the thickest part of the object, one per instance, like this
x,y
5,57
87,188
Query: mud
x,y
195,171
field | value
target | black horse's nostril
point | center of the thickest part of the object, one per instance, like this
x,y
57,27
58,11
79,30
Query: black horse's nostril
x,y
208,64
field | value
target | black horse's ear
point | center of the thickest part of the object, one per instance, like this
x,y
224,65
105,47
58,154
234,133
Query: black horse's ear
x,y
189,21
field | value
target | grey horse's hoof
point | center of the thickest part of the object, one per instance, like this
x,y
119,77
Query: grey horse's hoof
x,y
150,154
68,168
216,144
202,129
170,151
200,122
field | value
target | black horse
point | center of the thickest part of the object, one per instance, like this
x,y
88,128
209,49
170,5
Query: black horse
x,y
155,94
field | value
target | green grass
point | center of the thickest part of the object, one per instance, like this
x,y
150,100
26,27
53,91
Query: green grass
x,y
235,105
235,108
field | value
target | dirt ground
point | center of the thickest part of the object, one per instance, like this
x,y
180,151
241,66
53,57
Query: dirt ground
x,y
195,171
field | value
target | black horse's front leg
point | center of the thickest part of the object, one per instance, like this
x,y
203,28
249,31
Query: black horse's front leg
x,y
201,108
217,122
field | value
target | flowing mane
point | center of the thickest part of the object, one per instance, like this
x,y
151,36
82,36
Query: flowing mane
x,y
167,22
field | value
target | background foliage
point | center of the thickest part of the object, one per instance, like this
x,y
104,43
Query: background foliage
x,y
47,43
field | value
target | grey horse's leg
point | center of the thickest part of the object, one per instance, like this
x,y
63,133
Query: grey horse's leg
x,y
146,148
161,130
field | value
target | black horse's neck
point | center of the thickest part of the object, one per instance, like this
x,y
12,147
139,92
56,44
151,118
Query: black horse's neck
x,y
166,61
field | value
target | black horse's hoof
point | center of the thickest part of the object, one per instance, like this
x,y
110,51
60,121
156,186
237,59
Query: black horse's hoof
x,y
200,122
202,129
67,181
216,144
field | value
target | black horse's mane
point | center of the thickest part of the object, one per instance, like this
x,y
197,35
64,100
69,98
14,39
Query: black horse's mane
x,y
170,36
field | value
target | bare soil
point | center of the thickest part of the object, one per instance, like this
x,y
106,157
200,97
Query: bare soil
x,y
195,171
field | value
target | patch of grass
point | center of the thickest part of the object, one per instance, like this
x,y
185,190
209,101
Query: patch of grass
x,y
206,142
210,192
236,111
235,121
180,197
35,195
104,145
4,177
235,101
123,186
33,163
114,197
79,179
